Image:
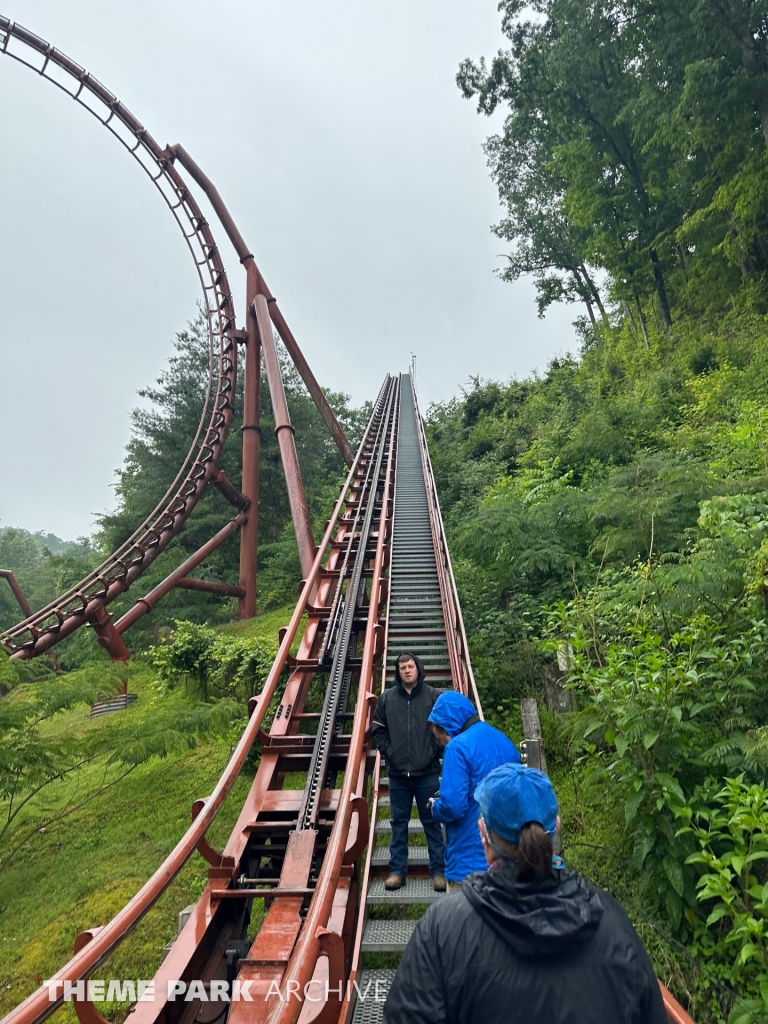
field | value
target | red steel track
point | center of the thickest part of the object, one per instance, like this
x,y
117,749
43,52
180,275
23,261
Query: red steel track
x,y
86,602
304,846
40,631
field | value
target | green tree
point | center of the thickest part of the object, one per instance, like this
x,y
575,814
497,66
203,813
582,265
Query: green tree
x,y
160,437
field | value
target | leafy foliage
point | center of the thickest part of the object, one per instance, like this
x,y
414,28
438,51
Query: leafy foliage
x,y
730,826
610,515
213,664
633,152
658,707
35,752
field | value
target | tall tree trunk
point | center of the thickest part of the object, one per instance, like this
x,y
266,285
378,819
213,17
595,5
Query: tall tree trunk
x,y
583,291
642,323
595,293
628,316
661,291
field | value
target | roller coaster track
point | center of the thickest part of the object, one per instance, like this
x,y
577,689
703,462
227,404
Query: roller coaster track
x,y
305,859
292,907
86,602
83,602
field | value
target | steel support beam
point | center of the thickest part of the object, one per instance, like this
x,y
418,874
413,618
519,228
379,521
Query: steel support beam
x,y
178,152
225,488
259,310
249,538
210,587
18,593
147,603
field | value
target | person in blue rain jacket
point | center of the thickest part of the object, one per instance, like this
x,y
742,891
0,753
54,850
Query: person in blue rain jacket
x,y
472,749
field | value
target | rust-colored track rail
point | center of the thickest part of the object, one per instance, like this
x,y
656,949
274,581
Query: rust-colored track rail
x,y
218,918
85,601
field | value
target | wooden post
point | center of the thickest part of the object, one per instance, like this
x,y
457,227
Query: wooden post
x,y
534,748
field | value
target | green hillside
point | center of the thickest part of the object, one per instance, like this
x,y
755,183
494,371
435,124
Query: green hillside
x,y
87,843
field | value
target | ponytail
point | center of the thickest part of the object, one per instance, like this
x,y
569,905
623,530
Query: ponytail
x,y
533,857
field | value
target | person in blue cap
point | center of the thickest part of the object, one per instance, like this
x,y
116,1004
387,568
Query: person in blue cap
x,y
524,939
472,749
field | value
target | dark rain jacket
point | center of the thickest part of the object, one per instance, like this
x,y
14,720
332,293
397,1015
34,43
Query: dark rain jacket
x,y
400,728
557,952
476,748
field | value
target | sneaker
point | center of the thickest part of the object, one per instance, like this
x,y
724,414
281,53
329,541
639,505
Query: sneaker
x,y
438,883
395,882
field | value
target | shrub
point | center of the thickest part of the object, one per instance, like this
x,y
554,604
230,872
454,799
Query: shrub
x,y
729,823
212,664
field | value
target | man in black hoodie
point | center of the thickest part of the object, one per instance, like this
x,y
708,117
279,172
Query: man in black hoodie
x,y
401,731
525,940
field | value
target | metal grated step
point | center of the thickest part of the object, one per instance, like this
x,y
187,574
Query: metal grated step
x,y
386,936
372,989
415,890
384,826
416,855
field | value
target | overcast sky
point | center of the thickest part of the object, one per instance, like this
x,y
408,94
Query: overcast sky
x,y
336,135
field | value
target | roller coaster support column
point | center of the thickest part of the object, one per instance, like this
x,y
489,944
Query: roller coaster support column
x,y
251,443
256,285
246,258
18,593
284,431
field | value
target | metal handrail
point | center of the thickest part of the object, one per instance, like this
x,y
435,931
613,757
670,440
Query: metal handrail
x,y
458,649
38,1006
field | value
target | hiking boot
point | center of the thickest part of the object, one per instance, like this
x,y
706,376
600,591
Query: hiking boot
x,y
395,882
438,883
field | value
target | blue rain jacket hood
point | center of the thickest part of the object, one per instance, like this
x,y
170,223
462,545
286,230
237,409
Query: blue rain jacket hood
x,y
475,749
452,711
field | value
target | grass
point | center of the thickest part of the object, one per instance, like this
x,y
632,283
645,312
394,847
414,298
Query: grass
x,y
86,865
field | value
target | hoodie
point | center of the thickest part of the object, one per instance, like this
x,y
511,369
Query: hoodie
x,y
401,729
475,749
555,952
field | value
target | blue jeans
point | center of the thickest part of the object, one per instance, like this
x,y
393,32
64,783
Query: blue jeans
x,y
402,790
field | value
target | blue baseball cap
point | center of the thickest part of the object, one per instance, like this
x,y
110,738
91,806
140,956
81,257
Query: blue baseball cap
x,y
513,795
